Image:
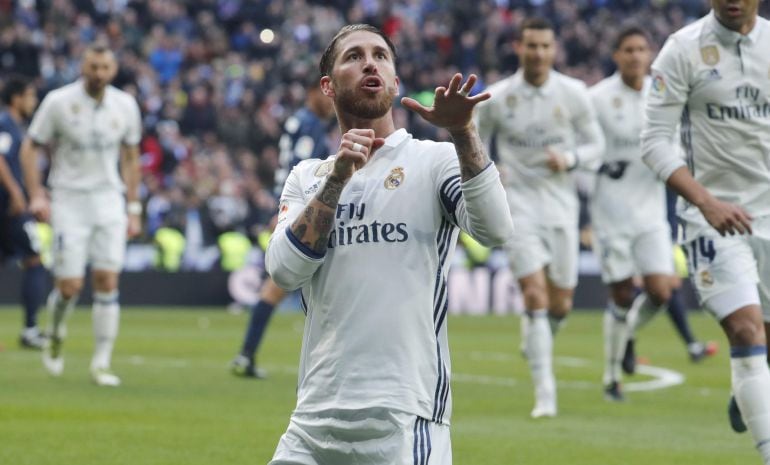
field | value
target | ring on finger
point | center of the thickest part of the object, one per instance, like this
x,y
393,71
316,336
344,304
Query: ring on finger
x,y
464,92
357,147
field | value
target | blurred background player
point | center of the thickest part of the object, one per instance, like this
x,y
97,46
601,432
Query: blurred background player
x,y
716,72
628,210
18,230
93,126
304,136
545,126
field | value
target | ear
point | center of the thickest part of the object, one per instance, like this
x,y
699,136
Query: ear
x,y
397,88
327,86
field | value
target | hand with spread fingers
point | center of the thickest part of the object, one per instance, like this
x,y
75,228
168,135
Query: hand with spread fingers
x,y
452,107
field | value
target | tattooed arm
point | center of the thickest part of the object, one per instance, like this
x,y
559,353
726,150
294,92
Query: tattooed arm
x,y
298,246
313,227
470,152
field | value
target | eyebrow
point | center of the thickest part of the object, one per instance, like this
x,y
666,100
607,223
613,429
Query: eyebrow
x,y
360,48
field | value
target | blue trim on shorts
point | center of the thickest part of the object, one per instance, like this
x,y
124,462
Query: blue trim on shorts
x,y
422,444
747,351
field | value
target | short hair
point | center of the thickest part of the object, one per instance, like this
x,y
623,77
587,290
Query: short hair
x,y
330,54
537,23
15,85
629,31
98,47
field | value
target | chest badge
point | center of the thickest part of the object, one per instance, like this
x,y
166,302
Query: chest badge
x,y
75,108
617,102
324,169
710,55
395,178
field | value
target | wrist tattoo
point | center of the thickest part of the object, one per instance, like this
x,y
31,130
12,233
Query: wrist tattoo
x,y
330,193
471,154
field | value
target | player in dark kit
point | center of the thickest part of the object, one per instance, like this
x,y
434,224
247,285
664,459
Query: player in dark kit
x,y
18,231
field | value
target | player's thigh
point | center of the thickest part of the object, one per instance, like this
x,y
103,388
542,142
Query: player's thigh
x,y
108,246
24,236
71,240
527,252
563,242
761,248
614,253
724,273
652,252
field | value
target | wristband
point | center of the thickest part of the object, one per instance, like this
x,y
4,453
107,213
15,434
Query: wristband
x,y
134,208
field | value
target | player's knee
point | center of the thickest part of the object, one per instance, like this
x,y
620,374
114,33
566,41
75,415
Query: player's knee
x,y
744,332
659,295
105,281
535,297
271,293
623,297
69,288
560,306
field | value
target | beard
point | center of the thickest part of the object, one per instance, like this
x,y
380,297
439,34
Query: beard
x,y
365,107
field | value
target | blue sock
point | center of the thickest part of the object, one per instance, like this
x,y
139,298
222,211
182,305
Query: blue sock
x,y
678,314
32,293
260,316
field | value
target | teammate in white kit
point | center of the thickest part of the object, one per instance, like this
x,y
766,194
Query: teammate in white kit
x,y
545,127
628,208
715,74
90,124
366,235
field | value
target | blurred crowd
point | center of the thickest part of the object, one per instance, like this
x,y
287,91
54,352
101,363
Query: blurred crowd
x,y
216,79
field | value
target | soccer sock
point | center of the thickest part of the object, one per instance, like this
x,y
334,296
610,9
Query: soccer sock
x,y
59,309
751,387
106,318
678,314
615,336
642,311
260,316
540,353
32,293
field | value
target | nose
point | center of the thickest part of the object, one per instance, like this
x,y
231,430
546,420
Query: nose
x,y
370,66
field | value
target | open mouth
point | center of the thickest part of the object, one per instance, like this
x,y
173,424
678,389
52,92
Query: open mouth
x,y
734,11
372,84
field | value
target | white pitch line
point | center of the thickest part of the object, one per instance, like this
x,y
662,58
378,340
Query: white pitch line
x,y
664,378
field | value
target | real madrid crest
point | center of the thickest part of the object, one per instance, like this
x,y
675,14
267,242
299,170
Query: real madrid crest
x,y
324,169
558,115
75,108
706,279
510,101
395,178
617,102
710,55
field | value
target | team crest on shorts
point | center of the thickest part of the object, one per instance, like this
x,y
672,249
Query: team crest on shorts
x,y
324,169
710,55
705,278
395,178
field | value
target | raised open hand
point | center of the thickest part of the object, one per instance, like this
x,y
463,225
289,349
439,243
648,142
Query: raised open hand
x,y
452,107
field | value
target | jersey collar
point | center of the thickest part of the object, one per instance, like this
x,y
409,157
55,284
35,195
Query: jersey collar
x,y
730,37
396,138
530,91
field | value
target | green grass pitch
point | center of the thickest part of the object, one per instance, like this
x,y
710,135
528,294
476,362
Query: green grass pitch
x,y
179,404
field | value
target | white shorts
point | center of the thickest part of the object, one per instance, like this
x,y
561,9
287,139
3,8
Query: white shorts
x,y
89,228
373,437
555,248
623,256
733,266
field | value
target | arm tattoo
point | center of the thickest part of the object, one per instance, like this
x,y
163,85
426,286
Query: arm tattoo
x,y
314,226
470,152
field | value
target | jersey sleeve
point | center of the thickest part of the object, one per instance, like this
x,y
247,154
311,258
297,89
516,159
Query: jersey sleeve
x,y
590,142
289,262
665,102
595,95
478,206
43,125
134,127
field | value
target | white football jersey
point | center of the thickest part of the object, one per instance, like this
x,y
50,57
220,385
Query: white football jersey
x,y
525,120
376,302
87,135
628,198
718,82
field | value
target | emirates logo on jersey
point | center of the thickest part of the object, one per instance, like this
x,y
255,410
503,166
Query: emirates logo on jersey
x,y
395,178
